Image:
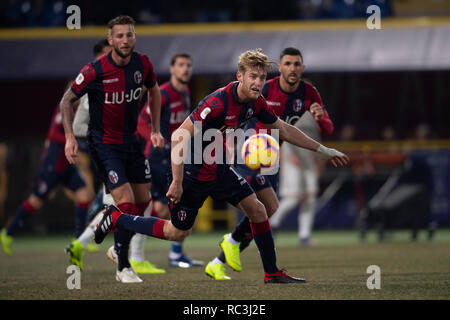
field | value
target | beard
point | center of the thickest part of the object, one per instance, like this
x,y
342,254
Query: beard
x,y
182,81
292,84
120,54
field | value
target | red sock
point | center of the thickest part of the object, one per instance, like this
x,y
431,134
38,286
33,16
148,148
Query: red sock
x,y
141,207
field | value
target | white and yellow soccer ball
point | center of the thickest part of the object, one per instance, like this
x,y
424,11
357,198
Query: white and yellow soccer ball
x,y
260,151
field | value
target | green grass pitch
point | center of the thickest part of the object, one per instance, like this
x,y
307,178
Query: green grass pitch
x,y
336,268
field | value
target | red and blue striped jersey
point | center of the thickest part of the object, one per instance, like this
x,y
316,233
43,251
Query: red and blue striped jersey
x,y
222,110
114,94
291,106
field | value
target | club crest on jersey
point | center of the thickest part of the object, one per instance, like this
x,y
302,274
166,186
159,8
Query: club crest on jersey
x,y
260,179
113,177
138,77
182,215
42,187
249,113
297,106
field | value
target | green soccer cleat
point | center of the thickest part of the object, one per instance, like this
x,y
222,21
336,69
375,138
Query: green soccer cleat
x,y
92,247
216,271
76,252
231,252
145,267
6,242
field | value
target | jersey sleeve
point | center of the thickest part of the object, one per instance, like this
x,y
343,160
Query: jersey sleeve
x,y
84,81
208,109
265,113
149,72
325,124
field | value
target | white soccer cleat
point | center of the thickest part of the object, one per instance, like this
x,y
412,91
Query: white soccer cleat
x,y
112,255
127,275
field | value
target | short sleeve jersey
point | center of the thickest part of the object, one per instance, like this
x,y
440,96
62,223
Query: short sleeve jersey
x,y
291,106
222,110
114,96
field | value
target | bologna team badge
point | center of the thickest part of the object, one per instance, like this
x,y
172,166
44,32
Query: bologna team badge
x,y
297,106
260,179
182,215
138,77
113,177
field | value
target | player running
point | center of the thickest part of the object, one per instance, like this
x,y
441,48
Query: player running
x,y
229,107
54,169
290,97
175,107
115,83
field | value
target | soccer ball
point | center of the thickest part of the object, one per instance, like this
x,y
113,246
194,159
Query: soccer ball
x,y
260,151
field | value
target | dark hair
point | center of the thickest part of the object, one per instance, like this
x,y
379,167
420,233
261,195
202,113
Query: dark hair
x,y
99,46
121,20
291,51
179,55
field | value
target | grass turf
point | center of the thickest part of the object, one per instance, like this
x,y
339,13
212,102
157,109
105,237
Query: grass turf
x,y
335,269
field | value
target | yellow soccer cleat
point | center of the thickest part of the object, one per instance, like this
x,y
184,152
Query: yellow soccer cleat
x,y
76,253
231,252
216,271
6,242
145,267
92,247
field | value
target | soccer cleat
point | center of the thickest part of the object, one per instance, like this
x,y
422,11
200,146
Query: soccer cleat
x,y
92,247
145,267
76,252
185,262
105,225
231,252
281,276
112,255
127,275
216,271
6,242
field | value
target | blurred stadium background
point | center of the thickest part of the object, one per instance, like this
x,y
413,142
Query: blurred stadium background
x,y
386,90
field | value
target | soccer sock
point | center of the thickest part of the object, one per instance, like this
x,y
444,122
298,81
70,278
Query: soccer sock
x,y
138,241
123,236
80,217
306,217
242,229
286,205
88,233
266,246
176,249
217,261
150,226
22,212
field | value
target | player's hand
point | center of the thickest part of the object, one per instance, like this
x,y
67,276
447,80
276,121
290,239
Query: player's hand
x,y
336,157
175,191
316,111
71,148
157,140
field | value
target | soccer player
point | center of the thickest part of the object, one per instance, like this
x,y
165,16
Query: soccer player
x,y
54,169
290,97
115,83
191,183
175,107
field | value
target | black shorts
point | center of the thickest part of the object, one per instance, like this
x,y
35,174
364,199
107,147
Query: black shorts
x,y
119,164
257,180
229,186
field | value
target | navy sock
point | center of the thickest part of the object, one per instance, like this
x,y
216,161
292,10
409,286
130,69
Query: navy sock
x,y
242,230
266,246
122,239
22,212
80,219
150,226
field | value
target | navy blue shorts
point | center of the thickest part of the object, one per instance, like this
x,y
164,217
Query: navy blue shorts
x,y
161,168
258,181
119,164
54,170
229,186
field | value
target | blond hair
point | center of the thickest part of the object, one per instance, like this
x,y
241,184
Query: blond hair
x,y
253,58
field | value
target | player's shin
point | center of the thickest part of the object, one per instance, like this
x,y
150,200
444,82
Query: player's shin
x,y
264,241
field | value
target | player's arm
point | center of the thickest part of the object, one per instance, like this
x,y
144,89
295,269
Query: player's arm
x,y
154,98
180,140
67,105
296,137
